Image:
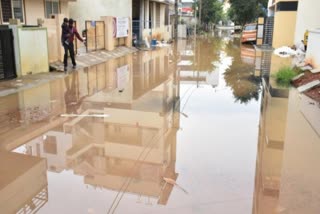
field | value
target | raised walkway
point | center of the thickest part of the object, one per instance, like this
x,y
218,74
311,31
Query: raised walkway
x,y
83,60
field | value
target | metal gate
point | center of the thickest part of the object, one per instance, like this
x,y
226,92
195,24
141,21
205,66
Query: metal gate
x,y
95,31
7,63
137,30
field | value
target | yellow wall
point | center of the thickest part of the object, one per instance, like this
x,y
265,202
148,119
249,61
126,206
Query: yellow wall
x,y
284,28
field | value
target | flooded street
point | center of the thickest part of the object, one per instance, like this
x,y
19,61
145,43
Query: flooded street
x,y
145,133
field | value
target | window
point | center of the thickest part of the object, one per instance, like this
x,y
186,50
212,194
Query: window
x,y
12,9
251,27
52,7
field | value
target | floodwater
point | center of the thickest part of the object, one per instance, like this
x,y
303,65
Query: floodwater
x,y
148,134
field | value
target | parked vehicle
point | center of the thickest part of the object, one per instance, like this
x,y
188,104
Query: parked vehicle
x,y
249,33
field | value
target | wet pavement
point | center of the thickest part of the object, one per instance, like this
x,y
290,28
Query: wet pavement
x,y
143,133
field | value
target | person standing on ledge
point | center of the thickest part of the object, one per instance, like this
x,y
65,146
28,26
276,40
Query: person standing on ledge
x,y
69,46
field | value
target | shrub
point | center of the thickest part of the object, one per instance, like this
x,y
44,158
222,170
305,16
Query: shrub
x,y
285,75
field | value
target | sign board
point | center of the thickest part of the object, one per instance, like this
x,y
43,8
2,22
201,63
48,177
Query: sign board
x,y
122,77
121,27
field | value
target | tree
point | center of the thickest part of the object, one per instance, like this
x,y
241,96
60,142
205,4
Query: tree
x,y
243,11
240,78
211,11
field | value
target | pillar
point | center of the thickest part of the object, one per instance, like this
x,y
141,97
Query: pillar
x,y
142,20
147,14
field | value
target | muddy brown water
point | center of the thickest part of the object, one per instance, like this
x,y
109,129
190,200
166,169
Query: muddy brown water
x,y
139,134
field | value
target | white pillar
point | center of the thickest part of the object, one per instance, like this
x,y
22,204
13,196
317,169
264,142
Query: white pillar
x,y
146,14
141,15
154,14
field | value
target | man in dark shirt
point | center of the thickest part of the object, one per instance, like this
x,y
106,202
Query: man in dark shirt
x,y
69,46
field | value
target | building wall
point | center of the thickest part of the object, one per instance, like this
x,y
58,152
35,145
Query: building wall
x,y
308,17
64,8
34,9
284,28
159,33
83,10
313,53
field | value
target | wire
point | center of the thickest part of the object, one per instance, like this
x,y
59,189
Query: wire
x,y
129,179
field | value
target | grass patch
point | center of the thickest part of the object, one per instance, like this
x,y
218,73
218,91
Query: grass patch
x,y
285,75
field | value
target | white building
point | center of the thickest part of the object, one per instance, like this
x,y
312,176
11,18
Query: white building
x,y
308,17
84,10
151,19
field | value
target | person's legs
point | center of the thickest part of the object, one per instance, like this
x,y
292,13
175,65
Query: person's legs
x,y
71,50
65,59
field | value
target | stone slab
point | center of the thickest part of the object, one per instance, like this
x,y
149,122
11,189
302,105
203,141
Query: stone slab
x,y
297,77
301,64
315,71
309,86
305,68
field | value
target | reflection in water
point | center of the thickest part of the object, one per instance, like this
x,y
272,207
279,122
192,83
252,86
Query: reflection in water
x,y
23,190
240,77
116,163
130,152
286,181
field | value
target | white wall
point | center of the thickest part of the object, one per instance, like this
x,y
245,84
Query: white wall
x,y
313,52
83,10
308,17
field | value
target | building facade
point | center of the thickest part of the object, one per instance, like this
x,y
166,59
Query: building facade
x,y
285,16
151,19
29,11
83,10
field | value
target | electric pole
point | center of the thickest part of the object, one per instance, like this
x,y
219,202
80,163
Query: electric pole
x,y
200,10
176,19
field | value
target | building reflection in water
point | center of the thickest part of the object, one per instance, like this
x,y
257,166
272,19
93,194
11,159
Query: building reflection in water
x,y
130,151
24,190
286,181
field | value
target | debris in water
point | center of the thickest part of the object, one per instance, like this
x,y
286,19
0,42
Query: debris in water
x,y
185,115
174,183
85,115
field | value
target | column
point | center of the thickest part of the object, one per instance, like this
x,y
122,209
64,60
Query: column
x,y
141,18
146,14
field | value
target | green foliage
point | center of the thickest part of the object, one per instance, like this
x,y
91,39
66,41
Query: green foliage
x,y
285,75
211,11
245,11
264,3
